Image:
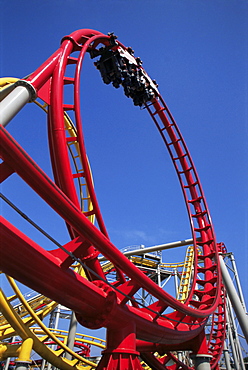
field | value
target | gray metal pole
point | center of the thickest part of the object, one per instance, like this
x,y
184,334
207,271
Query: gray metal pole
x,y
43,364
201,362
237,280
227,357
234,334
159,274
176,282
234,352
21,365
180,355
57,316
6,366
56,324
71,335
156,248
15,101
234,298
230,334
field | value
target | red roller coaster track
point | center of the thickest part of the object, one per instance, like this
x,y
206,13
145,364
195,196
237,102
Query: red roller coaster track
x,y
132,329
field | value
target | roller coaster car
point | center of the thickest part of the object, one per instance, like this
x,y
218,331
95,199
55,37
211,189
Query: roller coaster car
x,y
110,67
121,68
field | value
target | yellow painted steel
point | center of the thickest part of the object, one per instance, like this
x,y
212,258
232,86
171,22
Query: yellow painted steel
x,y
39,346
21,326
6,81
39,304
146,262
35,303
63,334
186,276
41,335
6,329
22,351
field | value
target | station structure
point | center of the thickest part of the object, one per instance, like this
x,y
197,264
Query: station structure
x,y
88,280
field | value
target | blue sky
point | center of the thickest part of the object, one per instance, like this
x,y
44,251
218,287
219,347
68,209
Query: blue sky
x,y
197,51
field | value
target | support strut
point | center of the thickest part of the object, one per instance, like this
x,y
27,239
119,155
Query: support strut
x,y
121,353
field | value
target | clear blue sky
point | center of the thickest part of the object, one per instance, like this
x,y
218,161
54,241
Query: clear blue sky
x,y
197,51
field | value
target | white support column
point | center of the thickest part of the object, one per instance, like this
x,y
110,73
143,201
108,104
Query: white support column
x,y
234,352
234,298
180,355
227,357
71,334
202,362
15,101
56,324
6,367
159,274
22,365
234,339
235,271
176,282
156,248
57,317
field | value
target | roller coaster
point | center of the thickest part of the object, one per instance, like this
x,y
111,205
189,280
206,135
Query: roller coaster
x,y
146,327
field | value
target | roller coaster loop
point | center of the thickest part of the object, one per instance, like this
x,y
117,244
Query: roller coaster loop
x,y
133,330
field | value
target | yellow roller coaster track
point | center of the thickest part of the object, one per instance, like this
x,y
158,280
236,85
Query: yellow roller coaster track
x,y
19,320
41,305
186,276
41,335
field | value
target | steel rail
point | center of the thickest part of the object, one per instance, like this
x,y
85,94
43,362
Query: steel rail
x,y
191,180
13,154
44,351
88,241
58,104
155,248
199,216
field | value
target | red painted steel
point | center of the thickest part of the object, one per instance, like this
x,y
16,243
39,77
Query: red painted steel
x,y
29,171
200,220
96,302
